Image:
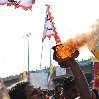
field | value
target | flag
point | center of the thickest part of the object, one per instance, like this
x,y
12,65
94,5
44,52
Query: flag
x,y
24,75
49,29
25,4
95,63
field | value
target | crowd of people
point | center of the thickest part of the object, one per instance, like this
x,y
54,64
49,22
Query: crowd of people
x,y
73,87
66,90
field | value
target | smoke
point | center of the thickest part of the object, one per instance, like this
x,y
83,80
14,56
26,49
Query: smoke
x,y
91,39
94,36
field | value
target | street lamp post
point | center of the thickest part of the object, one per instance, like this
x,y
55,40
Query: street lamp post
x,y
28,73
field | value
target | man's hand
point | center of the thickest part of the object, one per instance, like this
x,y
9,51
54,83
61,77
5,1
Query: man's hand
x,y
68,61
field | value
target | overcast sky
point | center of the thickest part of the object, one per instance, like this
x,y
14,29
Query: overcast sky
x,y
71,17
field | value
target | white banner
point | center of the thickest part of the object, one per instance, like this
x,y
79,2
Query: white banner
x,y
39,80
26,3
60,71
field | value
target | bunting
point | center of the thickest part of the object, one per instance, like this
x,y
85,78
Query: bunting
x,y
25,4
49,29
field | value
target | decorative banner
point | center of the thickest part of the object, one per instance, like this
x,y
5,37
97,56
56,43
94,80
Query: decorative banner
x,y
96,75
39,80
60,71
95,67
25,4
49,29
25,75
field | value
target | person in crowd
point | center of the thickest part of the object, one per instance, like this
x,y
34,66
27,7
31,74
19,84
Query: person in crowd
x,y
80,80
18,91
44,94
24,90
57,92
37,93
47,96
3,90
51,93
70,88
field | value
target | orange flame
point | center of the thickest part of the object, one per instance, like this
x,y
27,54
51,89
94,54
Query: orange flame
x,y
66,49
90,39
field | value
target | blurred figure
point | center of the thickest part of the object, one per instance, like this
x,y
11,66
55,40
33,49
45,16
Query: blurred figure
x,y
3,90
24,90
51,93
18,91
70,88
80,80
57,92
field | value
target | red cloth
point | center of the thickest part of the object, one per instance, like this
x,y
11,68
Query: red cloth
x,y
96,74
47,97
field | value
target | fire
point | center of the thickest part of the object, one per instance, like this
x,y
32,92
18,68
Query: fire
x,y
66,49
90,39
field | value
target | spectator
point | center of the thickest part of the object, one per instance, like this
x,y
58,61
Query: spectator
x,y
24,90
70,88
57,92
3,90
18,91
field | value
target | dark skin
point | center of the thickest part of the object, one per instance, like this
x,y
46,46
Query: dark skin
x,y
79,77
56,92
71,93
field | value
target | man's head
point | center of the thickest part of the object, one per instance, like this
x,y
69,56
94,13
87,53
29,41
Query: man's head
x,y
25,90
18,91
70,88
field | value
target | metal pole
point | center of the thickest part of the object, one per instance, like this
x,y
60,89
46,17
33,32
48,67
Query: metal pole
x,y
28,74
41,57
28,61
